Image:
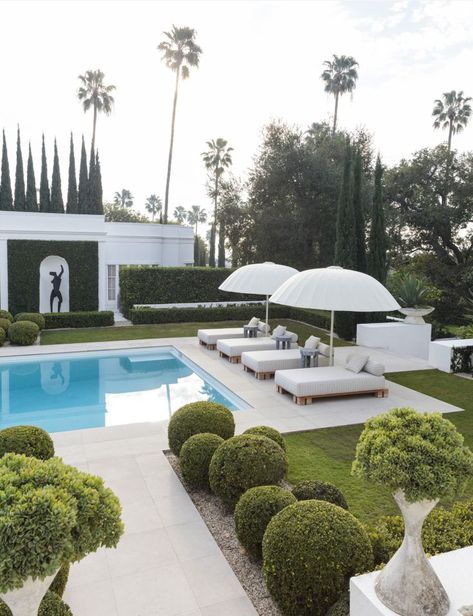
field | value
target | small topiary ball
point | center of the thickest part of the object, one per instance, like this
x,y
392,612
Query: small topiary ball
x,y
271,433
243,462
319,490
310,551
341,607
34,317
4,314
254,511
28,440
3,336
195,457
5,323
23,333
196,418
51,605
58,585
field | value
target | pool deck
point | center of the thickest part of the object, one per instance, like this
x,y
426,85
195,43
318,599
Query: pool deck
x,y
167,563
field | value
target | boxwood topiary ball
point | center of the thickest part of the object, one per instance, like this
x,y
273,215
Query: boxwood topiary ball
x,y
320,490
23,333
196,418
4,314
3,336
5,323
195,457
310,551
28,440
271,433
244,462
254,511
51,605
341,607
34,317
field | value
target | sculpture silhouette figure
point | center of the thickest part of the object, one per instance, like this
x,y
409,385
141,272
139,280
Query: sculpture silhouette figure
x,y
56,282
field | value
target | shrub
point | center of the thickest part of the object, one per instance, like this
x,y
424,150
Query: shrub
x,y
92,318
197,418
28,440
23,333
5,323
271,433
422,454
341,607
195,457
243,462
319,490
310,551
4,314
50,513
254,511
3,336
34,317
51,605
58,585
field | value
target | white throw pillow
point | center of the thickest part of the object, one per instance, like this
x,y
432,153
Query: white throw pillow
x,y
280,330
253,322
294,337
263,327
312,342
324,349
356,363
374,368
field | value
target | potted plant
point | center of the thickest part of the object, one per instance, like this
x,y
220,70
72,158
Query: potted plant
x,y
421,458
411,294
50,514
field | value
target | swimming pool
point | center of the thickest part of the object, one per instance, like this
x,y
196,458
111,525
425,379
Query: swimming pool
x,y
73,391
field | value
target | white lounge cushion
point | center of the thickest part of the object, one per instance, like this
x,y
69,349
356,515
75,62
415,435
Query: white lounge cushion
x,y
294,336
374,367
324,349
280,330
210,336
270,361
326,381
263,328
356,363
312,342
234,348
254,322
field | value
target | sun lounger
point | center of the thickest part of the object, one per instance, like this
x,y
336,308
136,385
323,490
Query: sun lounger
x,y
232,349
265,363
209,337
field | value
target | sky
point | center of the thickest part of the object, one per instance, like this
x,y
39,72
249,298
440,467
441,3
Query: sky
x,y
261,61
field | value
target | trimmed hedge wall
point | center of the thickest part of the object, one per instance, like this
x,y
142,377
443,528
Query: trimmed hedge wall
x,y
57,320
24,259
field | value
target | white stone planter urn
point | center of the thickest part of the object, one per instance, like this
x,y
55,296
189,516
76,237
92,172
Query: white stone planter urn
x,y
416,315
408,585
25,601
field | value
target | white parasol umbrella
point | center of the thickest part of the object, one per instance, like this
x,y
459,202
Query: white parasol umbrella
x,y
334,288
258,279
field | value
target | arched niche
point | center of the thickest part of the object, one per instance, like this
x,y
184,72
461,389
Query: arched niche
x,y
53,284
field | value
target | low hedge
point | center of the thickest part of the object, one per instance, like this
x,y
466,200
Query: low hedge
x,y
28,440
92,318
195,457
243,313
23,333
3,336
59,583
319,490
51,605
34,317
271,433
4,314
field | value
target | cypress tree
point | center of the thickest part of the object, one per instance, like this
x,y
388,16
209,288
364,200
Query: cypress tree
x,y
345,254
20,202
98,191
360,263
44,194
31,200
6,198
377,243
72,199
83,196
91,185
57,202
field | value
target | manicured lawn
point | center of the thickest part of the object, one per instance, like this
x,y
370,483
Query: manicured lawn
x,y
167,330
328,454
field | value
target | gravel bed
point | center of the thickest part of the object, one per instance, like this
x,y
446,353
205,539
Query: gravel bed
x,y
221,525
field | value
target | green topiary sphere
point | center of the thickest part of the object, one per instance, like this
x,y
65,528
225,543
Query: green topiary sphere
x,y
34,317
28,440
58,585
4,314
196,418
421,454
255,509
5,323
3,336
243,462
310,551
23,333
271,433
319,490
341,607
195,457
51,605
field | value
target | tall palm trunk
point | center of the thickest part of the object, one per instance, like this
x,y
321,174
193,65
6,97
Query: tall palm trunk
x,y
221,244
335,115
450,133
214,224
168,177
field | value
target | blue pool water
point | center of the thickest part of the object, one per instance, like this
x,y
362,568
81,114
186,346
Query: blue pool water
x,y
90,390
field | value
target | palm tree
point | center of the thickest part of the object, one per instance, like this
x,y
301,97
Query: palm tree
x,y
180,214
94,93
195,215
340,77
452,111
153,205
216,160
180,52
123,198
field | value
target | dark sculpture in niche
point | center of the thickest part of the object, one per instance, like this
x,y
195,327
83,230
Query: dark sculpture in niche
x,y
56,282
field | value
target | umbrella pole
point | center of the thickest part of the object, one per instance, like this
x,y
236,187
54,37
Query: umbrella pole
x,y
267,310
332,316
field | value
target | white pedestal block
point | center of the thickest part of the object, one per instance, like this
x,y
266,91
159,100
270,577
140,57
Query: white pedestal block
x,y
400,338
440,352
455,570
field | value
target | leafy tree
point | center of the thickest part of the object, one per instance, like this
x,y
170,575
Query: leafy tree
x,y
57,203
180,52
195,216
115,212
452,111
44,194
6,197
31,199
72,196
180,214
345,246
200,251
83,195
360,247
377,243
123,198
236,213
94,93
20,202
217,158
153,205
340,77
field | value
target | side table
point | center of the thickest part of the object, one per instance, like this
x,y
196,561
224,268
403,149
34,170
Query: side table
x,y
283,342
309,358
250,331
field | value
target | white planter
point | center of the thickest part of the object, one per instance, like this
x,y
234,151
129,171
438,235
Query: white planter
x,y
416,315
25,601
408,585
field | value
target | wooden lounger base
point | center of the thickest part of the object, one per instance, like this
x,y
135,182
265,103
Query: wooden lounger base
x,y
378,393
233,359
210,347
262,376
